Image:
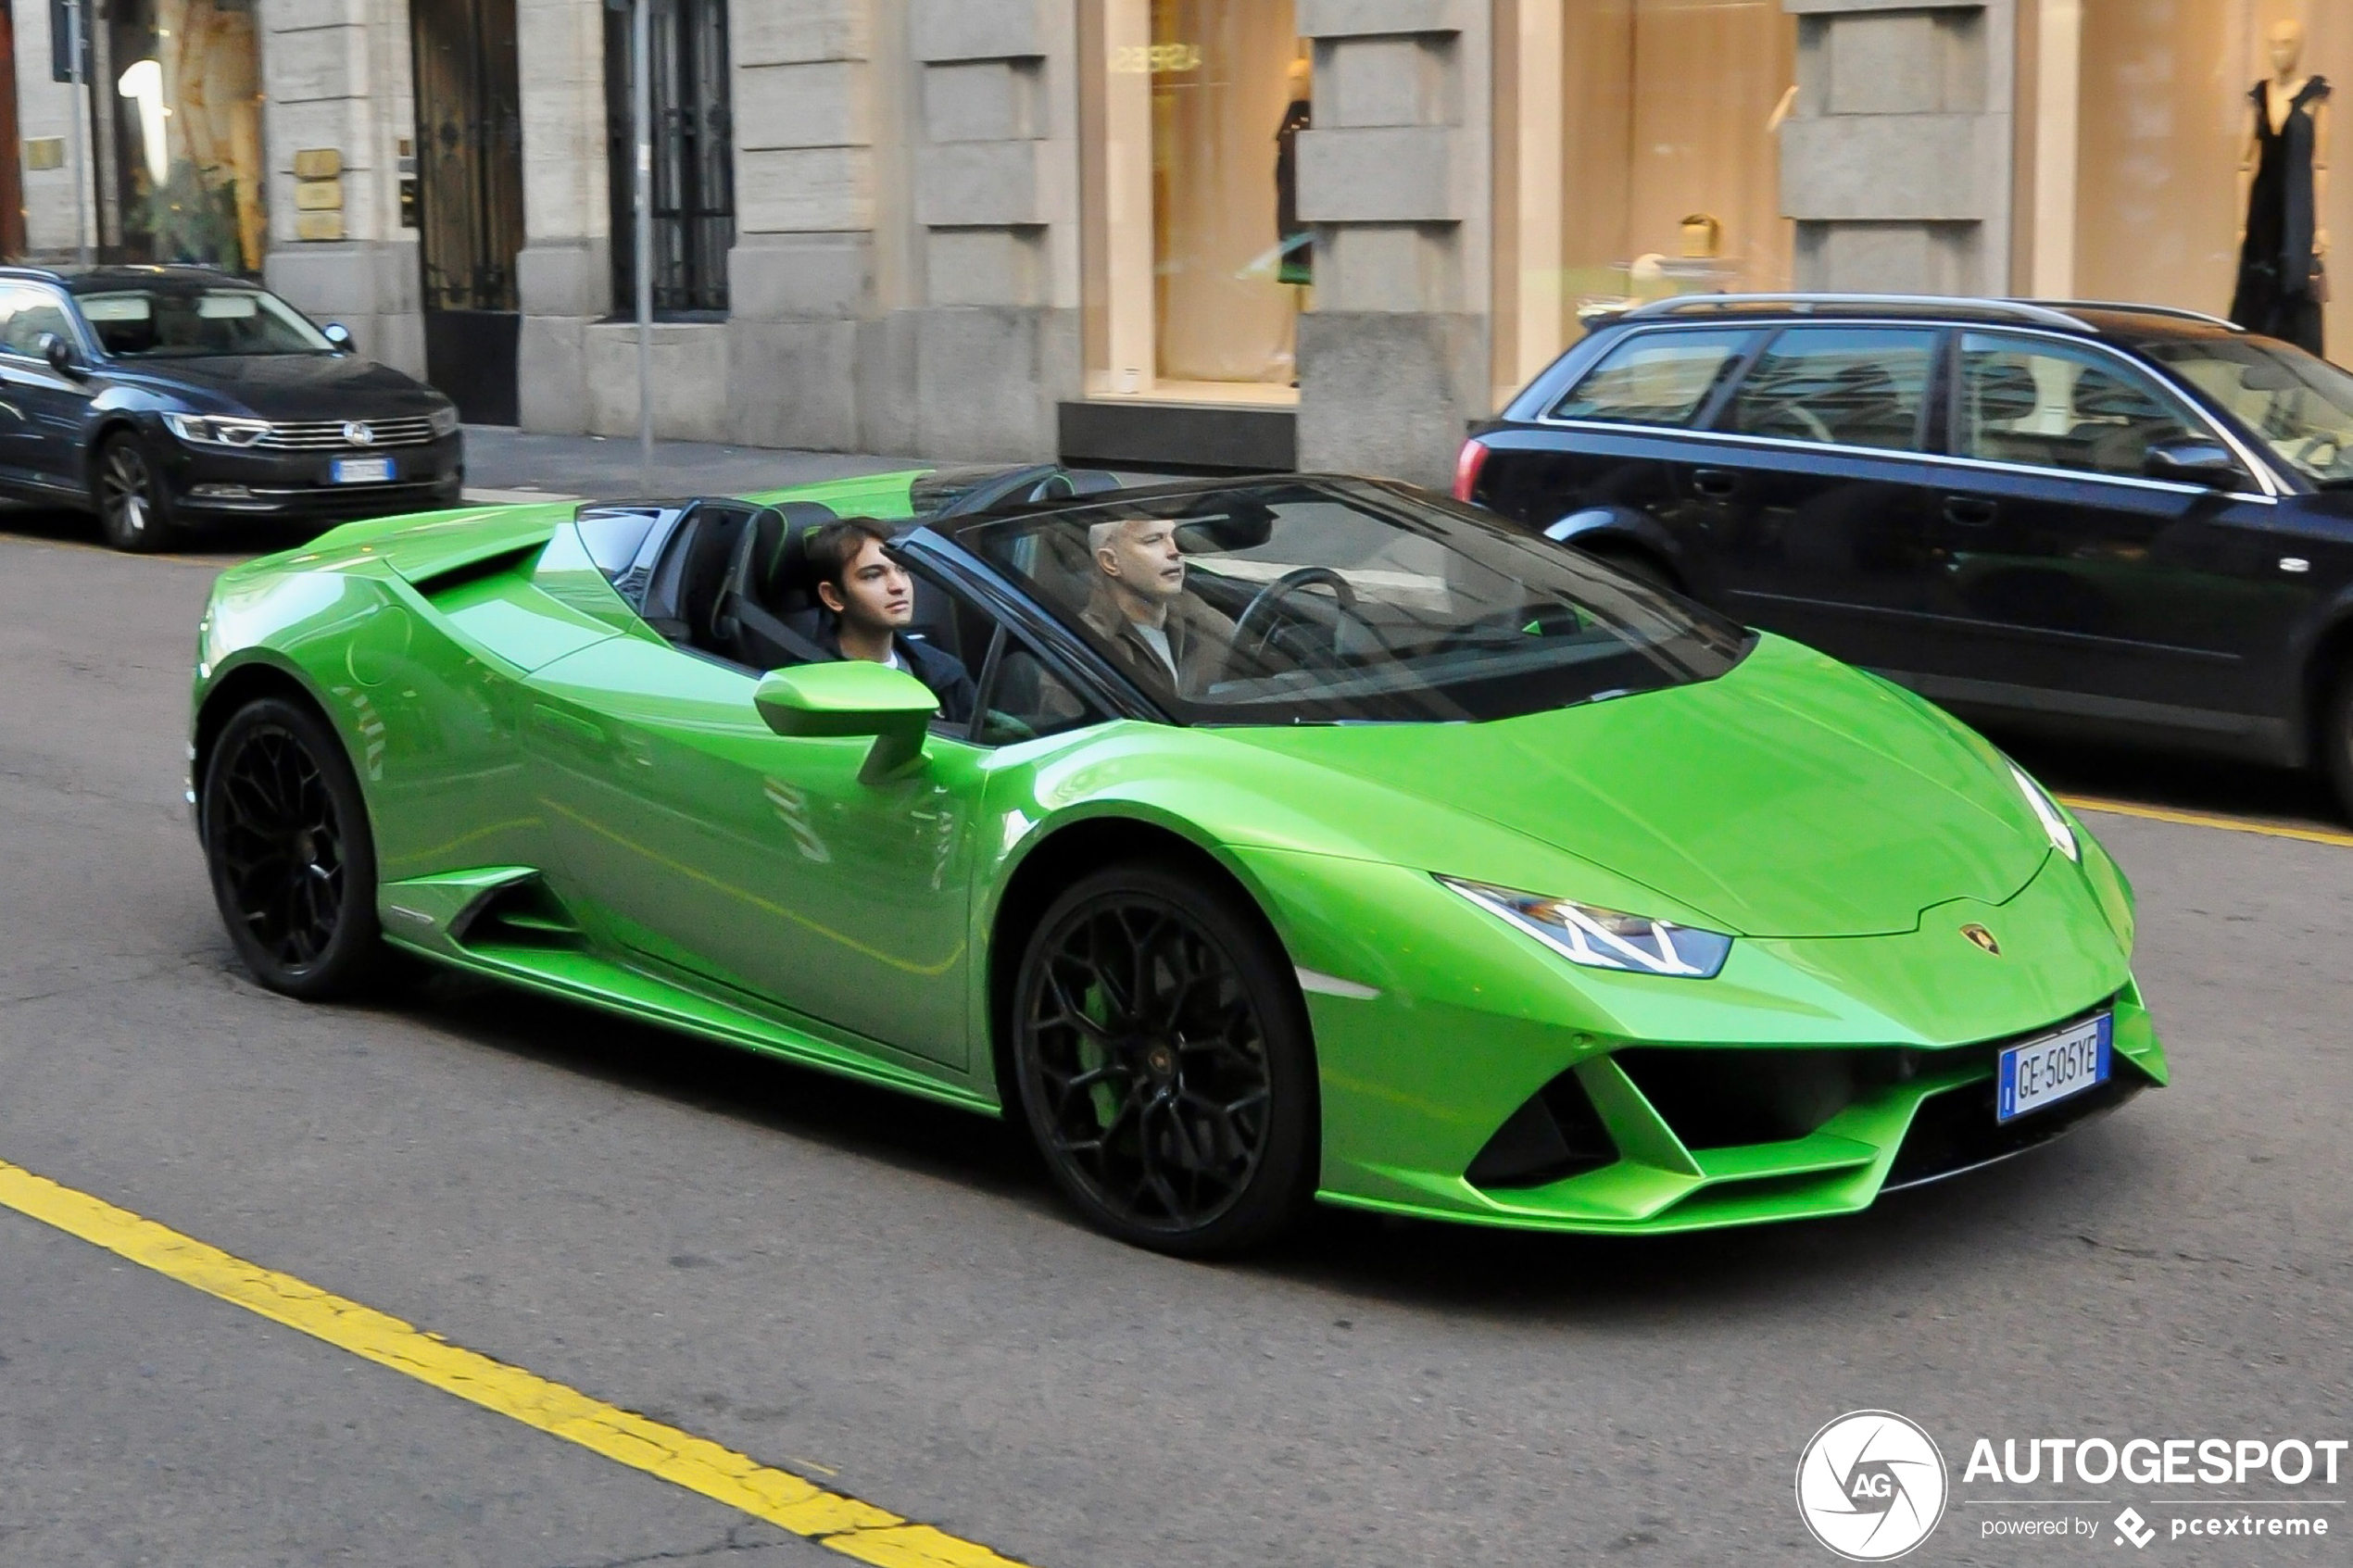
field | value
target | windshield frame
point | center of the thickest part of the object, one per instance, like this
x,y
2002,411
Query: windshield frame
x,y
2166,355
969,537
267,303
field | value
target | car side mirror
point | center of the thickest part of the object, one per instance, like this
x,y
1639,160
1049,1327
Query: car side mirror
x,y
852,697
338,335
2193,462
60,354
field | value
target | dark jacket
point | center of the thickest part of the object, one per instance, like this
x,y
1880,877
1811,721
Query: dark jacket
x,y
935,666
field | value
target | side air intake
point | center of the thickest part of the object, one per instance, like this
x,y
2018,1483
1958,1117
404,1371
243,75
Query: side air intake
x,y
1556,1135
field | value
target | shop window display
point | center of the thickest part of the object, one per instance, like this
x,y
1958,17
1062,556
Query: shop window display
x,y
2146,164
1637,157
1197,264
189,175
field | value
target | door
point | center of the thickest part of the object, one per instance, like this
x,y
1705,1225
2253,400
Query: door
x,y
1617,464
1819,489
704,841
2072,581
470,199
43,411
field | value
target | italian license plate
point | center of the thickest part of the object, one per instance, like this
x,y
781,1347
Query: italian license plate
x,y
360,470
2043,1071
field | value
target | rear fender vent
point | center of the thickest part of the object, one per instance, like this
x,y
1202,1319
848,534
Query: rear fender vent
x,y
1556,1135
438,586
522,915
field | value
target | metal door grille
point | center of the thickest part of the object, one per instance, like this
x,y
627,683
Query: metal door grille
x,y
469,152
694,194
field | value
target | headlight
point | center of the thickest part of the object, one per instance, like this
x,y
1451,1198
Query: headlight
x,y
1603,938
444,420
2047,813
213,430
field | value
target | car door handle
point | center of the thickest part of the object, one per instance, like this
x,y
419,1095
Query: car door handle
x,y
1968,510
1715,483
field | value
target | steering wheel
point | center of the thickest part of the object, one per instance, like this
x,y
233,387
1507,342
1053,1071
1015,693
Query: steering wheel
x,y
1266,606
2306,451
1786,414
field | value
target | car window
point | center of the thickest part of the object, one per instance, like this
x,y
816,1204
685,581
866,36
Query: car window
x,y
185,321
1341,601
1660,378
1025,700
2298,406
2059,406
26,313
1847,386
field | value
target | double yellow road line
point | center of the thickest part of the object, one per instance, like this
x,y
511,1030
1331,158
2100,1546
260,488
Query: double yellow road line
x,y
831,1519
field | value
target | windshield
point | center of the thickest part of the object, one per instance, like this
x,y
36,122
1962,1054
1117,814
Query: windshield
x,y
196,320
2301,407
1320,601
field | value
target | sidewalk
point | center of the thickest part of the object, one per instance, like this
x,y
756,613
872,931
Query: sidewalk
x,y
505,464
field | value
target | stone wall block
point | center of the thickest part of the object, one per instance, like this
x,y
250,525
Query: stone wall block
x,y
980,183
318,62
1361,18
1886,167
815,104
982,101
690,379
978,30
807,189
1388,393
551,374
1386,81
793,383
1397,174
985,266
1885,64
565,277
768,33
788,277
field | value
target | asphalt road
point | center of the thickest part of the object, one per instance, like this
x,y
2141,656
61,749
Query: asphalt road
x,y
886,1298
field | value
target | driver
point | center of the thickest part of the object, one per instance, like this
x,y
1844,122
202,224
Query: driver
x,y
870,602
1161,633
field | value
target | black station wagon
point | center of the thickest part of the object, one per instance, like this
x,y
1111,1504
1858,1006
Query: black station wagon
x,y
2110,518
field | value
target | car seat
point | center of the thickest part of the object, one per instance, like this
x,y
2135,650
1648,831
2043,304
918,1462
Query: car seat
x,y
770,616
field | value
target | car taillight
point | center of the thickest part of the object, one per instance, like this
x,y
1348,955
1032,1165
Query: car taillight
x,y
1467,463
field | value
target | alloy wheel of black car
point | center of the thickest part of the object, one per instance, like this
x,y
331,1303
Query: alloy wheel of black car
x,y
134,511
2336,738
1164,1063
294,866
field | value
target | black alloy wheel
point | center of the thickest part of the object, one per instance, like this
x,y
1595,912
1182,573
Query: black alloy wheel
x,y
2337,739
134,509
1163,1056
294,866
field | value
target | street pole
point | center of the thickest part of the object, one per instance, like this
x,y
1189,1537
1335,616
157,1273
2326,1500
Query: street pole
x,y
641,109
73,126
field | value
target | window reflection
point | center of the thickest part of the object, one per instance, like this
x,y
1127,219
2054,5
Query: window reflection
x,y
187,140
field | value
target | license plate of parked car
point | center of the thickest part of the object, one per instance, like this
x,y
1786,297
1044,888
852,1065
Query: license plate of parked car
x,y
360,471
2055,1067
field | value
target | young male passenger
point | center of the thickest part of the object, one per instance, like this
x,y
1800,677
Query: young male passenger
x,y
870,601
1139,606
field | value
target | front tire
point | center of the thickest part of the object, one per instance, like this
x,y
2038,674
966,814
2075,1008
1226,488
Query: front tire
x,y
292,862
1163,1062
134,505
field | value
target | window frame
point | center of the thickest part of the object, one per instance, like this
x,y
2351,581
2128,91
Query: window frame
x,y
1729,375
1924,442
76,330
2254,471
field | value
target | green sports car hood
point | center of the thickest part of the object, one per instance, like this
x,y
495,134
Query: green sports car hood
x,y
1791,798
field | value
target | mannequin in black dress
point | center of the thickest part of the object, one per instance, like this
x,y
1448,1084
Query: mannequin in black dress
x,y
2283,180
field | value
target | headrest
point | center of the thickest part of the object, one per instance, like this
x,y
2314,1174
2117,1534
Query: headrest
x,y
780,576
2004,390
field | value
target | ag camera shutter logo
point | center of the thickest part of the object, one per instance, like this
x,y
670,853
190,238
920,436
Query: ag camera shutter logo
x,y
1872,1486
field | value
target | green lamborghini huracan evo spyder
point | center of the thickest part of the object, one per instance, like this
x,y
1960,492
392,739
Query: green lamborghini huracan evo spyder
x,y
1307,837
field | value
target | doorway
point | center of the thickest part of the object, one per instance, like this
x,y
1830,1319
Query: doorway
x,y
469,199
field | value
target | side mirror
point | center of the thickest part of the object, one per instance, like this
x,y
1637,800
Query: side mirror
x,y
336,333
60,354
852,697
2193,462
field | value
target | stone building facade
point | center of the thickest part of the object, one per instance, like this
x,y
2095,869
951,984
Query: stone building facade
x,y
1208,231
